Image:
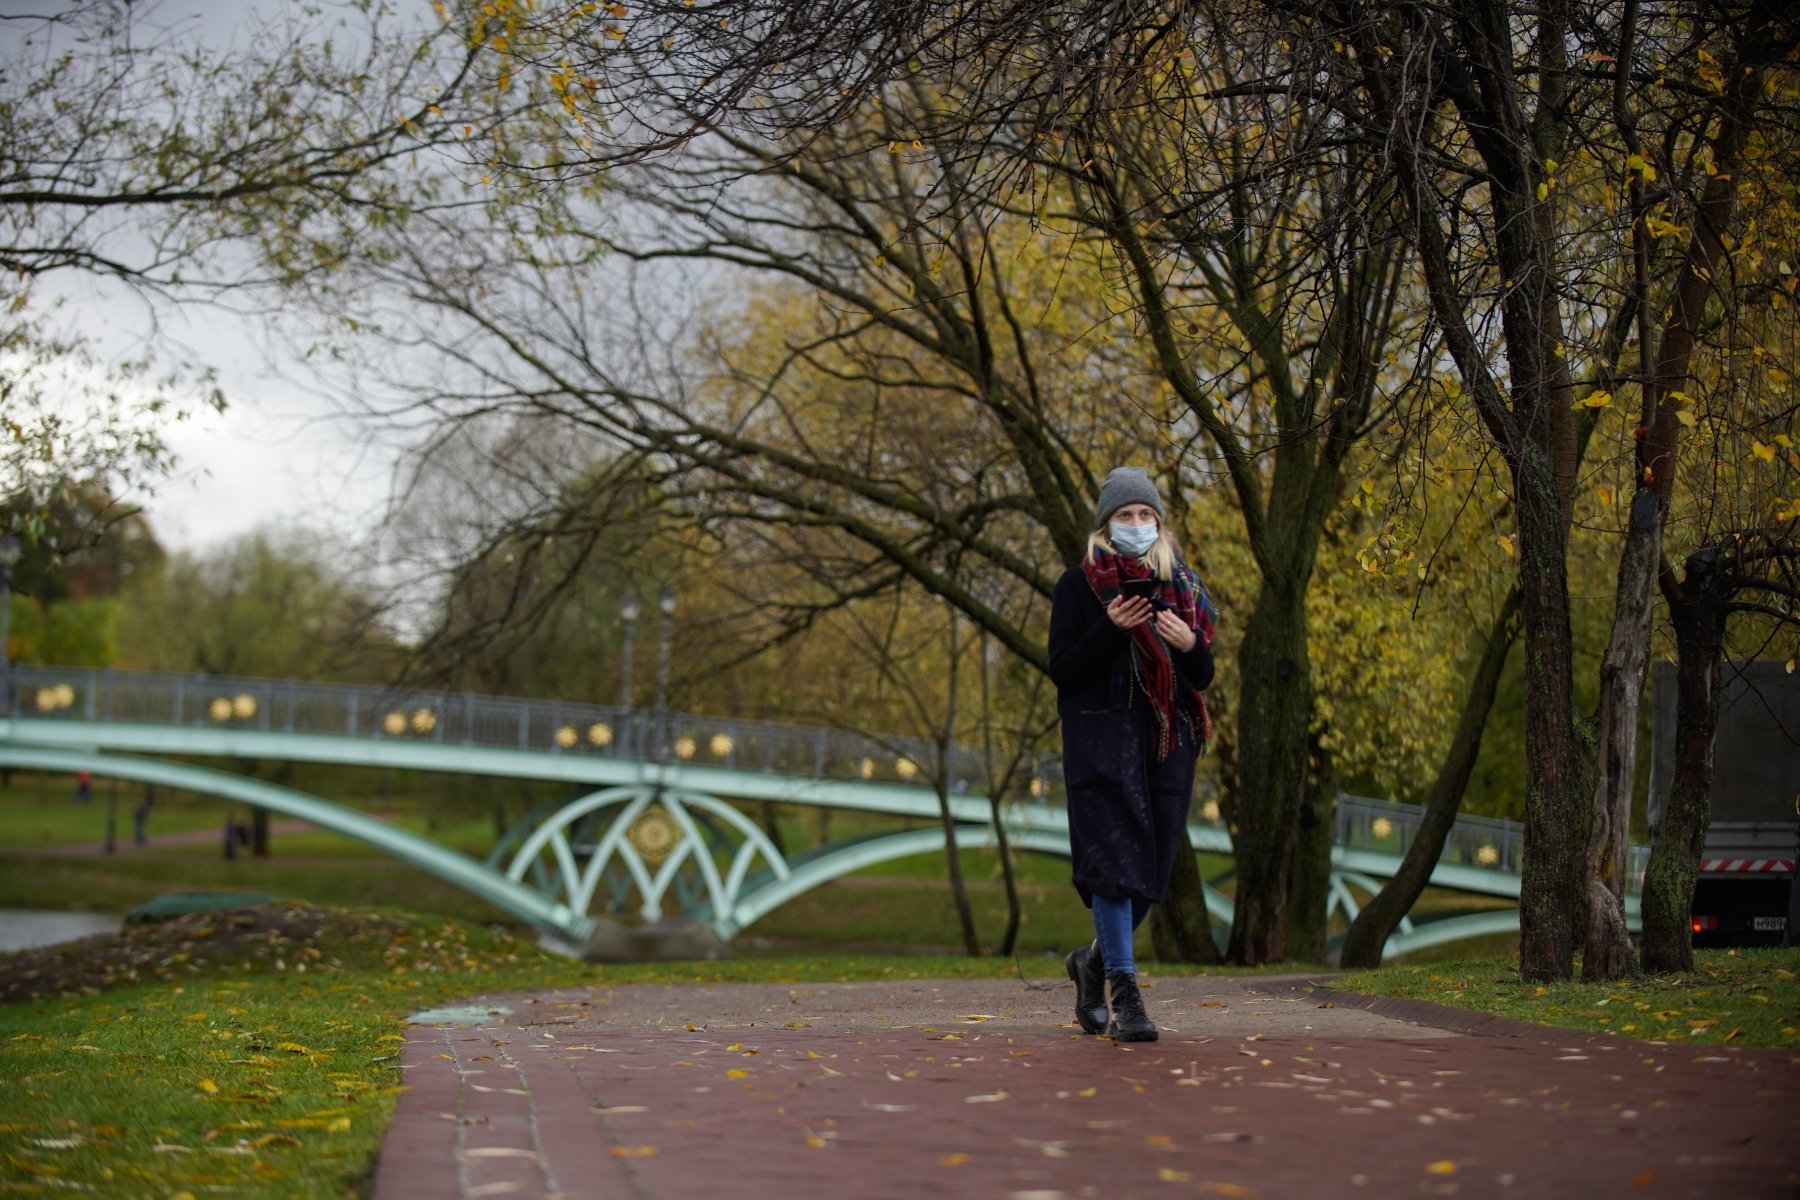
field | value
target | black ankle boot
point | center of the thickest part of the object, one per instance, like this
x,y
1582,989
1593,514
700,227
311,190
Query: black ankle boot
x,y
1089,974
1130,1023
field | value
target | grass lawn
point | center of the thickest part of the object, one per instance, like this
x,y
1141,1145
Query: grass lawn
x,y
1743,997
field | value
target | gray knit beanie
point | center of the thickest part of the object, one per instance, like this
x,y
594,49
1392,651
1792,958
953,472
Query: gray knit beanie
x,y
1125,485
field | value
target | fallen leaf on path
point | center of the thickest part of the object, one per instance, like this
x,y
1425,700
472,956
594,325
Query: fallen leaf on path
x,y
1644,1180
634,1151
1219,1188
1442,1166
954,1160
1171,1175
991,1098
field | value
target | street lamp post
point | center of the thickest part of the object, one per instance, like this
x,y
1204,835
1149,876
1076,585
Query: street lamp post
x,y
9,557
665,604
629,608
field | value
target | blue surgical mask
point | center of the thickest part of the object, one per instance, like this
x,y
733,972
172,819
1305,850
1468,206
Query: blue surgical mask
x,y
1132,539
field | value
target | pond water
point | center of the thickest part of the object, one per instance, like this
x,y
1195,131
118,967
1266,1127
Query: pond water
x,y
22,929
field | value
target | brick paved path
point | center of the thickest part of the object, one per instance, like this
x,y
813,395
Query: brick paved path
x,y
985,1089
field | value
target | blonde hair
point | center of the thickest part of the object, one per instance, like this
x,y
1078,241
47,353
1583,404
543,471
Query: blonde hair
x,y
1161,556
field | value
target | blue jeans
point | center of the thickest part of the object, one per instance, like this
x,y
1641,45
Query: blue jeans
x,y
1116,918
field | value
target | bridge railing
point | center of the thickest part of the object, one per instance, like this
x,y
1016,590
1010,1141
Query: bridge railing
x,y
466,718
1475,841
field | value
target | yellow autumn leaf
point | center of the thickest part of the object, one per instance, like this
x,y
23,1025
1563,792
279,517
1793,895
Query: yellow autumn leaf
x,y
292,1048
1763,451
953,1160
1598,398
737,1073
634,1151
1509,543
1219,1188
208,1086
1087,1091
1442,1166
1171,1175
1686,417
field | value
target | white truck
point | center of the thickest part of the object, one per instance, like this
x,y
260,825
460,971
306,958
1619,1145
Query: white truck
x,y
1745,893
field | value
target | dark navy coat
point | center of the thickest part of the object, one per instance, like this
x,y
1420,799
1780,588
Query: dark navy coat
x,y
1127,811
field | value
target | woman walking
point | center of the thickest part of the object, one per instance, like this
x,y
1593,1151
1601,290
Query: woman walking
x,y
1130,652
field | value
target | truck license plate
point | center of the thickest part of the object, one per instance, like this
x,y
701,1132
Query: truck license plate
x,y
1774,924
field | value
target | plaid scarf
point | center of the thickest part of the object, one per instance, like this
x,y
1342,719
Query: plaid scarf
x,y
1151,667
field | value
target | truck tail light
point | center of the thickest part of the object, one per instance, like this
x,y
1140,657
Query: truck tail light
x,y
1705,924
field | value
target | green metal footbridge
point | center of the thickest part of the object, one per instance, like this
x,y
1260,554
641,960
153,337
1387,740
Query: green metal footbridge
x,y
655,824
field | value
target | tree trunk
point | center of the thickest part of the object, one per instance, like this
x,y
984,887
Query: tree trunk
x,y
1698,614
1607,953
1180,927
1009,940
769,817
1309,880
959,889
1552,899
1376,923
1275,705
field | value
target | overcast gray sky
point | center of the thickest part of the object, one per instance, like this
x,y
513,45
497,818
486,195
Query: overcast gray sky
x,y
279,453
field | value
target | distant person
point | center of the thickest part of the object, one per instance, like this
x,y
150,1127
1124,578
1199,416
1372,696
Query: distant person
x,y
84,788
140,816
1130,652
237,833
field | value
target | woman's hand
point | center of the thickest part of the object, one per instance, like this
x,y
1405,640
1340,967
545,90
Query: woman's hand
x,y
1128,612
1179,635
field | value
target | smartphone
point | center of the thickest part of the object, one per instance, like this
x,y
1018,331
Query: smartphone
x,y
1138,589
